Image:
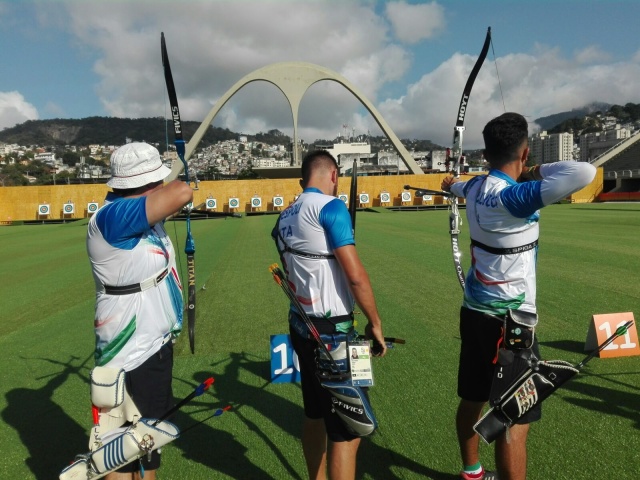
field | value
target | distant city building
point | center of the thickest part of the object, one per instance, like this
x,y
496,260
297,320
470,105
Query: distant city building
x,y
596,143
270,162
549,148
346,153
46,157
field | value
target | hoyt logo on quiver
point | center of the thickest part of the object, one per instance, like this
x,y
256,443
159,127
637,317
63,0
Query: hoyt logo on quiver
x,y
352,407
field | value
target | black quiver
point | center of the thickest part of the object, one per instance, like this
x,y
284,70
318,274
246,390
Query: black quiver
x,y
521,380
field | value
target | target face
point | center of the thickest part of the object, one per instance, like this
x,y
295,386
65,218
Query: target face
x,y
43,209
234,203
427,198
278,201
385,197
344,198
68,208
406,196
92,207
364,198
211,203
256,202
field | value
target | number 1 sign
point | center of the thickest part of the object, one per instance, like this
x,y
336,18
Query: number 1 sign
x,y
284,361
603,326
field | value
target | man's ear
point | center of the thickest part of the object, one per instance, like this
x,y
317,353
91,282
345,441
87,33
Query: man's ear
x,y
525,154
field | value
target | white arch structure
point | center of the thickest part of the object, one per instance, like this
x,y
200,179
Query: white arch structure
x,y
293,79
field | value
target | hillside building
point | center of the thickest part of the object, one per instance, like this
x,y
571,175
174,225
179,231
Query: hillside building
x,y
596,143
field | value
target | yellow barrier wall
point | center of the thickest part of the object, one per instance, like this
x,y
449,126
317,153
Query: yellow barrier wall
x,y
590,193
21,203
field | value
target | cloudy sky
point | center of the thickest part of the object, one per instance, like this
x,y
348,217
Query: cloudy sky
x,y
81,58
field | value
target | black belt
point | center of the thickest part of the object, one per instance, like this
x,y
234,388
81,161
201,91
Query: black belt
x,y
136,287
505,251
324,325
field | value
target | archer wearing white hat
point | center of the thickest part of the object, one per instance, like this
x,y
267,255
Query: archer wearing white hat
x,y
139,302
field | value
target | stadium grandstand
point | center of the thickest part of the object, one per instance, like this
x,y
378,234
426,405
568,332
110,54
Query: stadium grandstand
x,y
621,165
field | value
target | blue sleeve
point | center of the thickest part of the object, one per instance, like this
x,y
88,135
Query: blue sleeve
x,y
123,222
522,200
336,221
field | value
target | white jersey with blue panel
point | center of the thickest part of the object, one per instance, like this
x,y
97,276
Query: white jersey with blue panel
x,y
308,232
503,224
125,250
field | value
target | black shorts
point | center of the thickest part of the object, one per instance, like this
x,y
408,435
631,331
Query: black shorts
x,y
480,336
317,400
150,388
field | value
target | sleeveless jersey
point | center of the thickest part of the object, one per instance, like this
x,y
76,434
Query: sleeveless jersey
x,y
124,250
503,214
316,224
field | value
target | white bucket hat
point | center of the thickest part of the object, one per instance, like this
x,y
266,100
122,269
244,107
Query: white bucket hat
x,y
136,164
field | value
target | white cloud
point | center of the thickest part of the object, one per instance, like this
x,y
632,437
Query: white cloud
x,y
212,45
223,44
14,109
533,85
592,54
413,23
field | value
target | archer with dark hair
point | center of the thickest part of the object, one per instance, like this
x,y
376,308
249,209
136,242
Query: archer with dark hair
x,y
314,237
503,214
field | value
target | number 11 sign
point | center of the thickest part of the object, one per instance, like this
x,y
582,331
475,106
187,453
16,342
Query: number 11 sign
x,y
603,326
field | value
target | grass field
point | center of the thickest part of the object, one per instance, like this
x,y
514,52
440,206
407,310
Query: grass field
x,y
589,261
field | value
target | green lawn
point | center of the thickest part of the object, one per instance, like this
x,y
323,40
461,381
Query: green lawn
x,y
588,264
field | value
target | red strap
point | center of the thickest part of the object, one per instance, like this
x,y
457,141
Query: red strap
x,y
495,359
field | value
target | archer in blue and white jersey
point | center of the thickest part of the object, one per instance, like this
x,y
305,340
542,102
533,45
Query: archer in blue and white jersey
x,y
503,211
315,240
138,293
308,232
503,216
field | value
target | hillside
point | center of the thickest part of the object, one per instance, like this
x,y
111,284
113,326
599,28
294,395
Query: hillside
x,y
551,121
589,118
103,131
114,131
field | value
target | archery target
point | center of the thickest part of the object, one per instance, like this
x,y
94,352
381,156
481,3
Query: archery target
x,y
427,198
234,203
385,197
256,202
92,207
364,198
211,203
68,208
406,196
278,201
43,209
344,198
